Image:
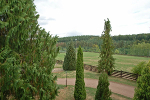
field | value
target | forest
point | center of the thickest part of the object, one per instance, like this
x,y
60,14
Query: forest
x,y
136,45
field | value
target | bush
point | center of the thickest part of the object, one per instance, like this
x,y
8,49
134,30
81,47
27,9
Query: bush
x,y
116,51
142,92
103,92
70,58
138,68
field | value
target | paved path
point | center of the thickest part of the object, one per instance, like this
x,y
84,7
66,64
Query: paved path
x,y
118,88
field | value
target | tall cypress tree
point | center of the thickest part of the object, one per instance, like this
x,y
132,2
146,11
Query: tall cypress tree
x,y
27,53
80,92
106,62
70,57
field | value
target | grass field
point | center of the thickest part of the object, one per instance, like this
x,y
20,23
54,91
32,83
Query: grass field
x,y
122,62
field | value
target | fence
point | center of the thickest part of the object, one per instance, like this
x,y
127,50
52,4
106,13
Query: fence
x,y
59,62
125,75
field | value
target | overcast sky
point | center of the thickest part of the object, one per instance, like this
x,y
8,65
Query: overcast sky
x,y
86,17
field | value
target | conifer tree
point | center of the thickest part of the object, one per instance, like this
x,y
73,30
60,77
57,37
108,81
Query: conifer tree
x,y
70,57
106,62
103,92
27,53
80,92
142,92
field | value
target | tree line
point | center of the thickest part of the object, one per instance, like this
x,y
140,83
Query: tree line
x,y
137,45
88,43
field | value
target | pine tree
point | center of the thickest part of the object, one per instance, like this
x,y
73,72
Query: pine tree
x,y
106,62
142,92
103,92
80,92
27,53
70,57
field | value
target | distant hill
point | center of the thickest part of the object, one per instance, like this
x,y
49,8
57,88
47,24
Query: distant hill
x,y
122,43
139,37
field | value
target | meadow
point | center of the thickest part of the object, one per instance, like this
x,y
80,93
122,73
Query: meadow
x,y
122,62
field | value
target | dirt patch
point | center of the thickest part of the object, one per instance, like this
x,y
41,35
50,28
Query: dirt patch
x,y
62,94
57,70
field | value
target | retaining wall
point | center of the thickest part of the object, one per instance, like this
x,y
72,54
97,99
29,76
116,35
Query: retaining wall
x,y
86,67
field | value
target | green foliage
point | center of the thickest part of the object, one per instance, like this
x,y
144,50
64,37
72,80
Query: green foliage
x,y
70,58
10,82
116,51
106,62
80,92
27,54
138,68
142,92
96,48
103,92
139,37
140,49
148,64
86,42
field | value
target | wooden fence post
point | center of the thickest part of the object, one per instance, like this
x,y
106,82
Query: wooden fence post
x,y
121,73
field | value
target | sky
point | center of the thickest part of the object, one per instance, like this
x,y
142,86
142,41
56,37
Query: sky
x,y
86,17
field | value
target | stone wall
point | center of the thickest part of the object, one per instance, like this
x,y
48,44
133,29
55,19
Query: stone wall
x,y
86,67
59,61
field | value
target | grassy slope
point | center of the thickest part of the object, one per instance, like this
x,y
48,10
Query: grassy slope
x,y
123,62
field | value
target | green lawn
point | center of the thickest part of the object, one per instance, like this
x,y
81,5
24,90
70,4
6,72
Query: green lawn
x,y
67,93
122,62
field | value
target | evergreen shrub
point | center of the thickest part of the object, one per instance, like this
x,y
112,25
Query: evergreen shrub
x,y
80,92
